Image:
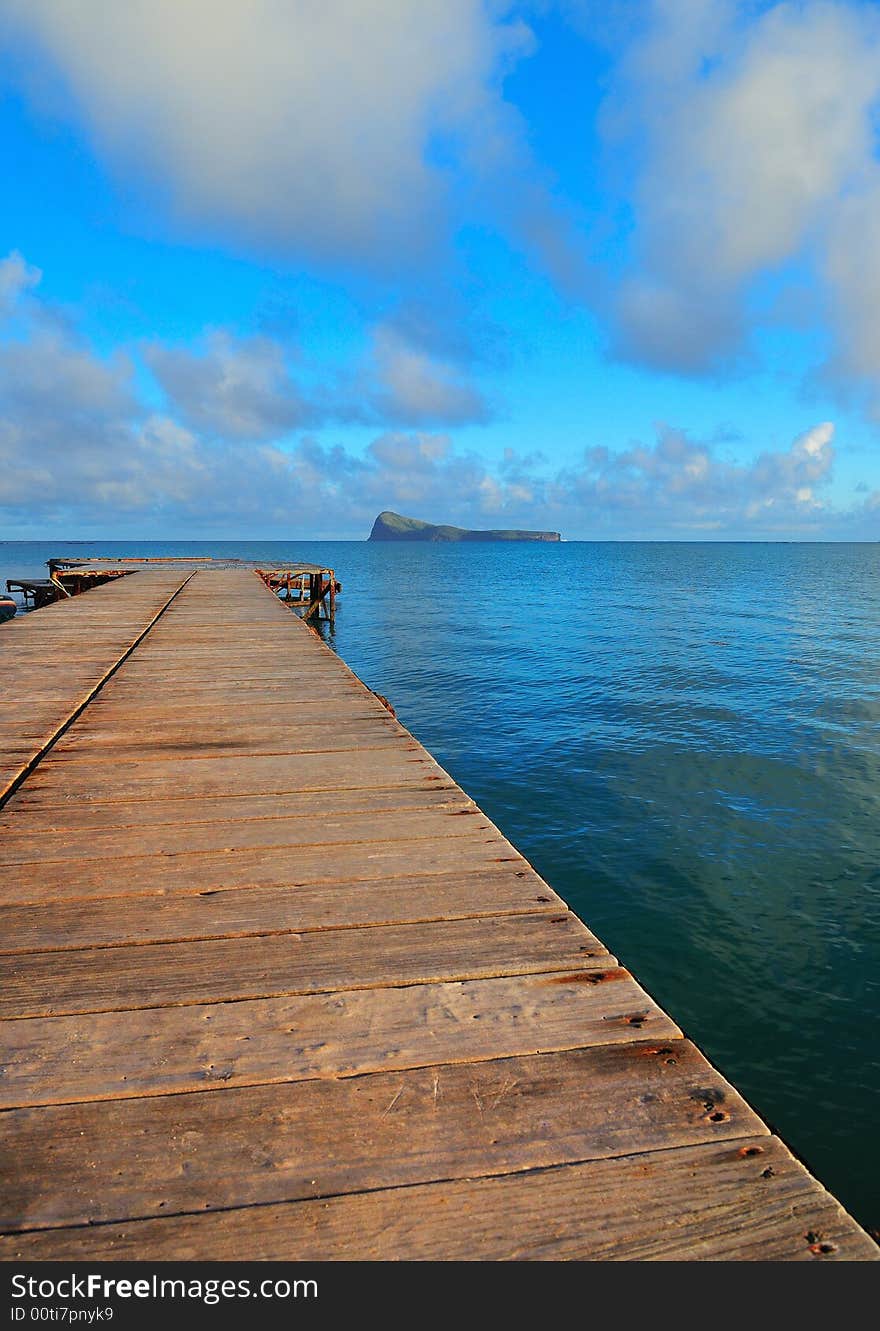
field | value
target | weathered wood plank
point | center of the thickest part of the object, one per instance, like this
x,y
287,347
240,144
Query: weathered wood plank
x,y
747,1200
232,913
70,815
119,1159
214,871
107,719
284,665
189,838
210,693
346,1033
244,740
220,970
223,776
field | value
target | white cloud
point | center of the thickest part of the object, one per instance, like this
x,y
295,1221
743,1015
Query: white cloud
x,y
80,447
419,453
756,136
309,126
232,388
852,265
359,131
815,443
78,450
16,277
681,486
244,388
81,450
415,387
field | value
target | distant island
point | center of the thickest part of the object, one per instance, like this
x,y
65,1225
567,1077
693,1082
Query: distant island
x,y
393,527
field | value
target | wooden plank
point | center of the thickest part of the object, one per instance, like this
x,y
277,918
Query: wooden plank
x,y
283,666
238,913
118,1159
747,1200
243,740
282,656
214,695
214,871
70,815
211,693
156,1051
217,971
190,839
259,646
242,774
79,660
285,671
107,719
24,722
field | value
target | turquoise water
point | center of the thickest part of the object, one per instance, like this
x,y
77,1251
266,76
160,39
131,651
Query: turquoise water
x,y
685,741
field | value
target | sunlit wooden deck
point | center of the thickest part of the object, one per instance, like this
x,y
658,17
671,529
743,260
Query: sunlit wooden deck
x,y
274,986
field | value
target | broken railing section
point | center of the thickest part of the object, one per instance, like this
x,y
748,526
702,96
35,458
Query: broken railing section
x,y
63,581
74,581
305,588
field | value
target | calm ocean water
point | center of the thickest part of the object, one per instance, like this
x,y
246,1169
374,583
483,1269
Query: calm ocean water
x,y
685,741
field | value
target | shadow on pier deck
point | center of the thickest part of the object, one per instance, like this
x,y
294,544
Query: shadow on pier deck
x,y
275,988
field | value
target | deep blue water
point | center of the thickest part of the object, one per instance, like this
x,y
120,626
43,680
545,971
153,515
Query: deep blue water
x,y
685,741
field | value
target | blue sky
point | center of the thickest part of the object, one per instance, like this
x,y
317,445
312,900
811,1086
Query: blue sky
x,y
268,268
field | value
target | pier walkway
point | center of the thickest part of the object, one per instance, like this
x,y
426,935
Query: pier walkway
x,y
274,987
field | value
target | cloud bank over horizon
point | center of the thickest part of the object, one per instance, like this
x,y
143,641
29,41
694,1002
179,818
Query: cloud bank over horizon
x,y
83,447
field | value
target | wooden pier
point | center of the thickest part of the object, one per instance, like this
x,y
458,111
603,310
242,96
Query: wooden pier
x,y
275,988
